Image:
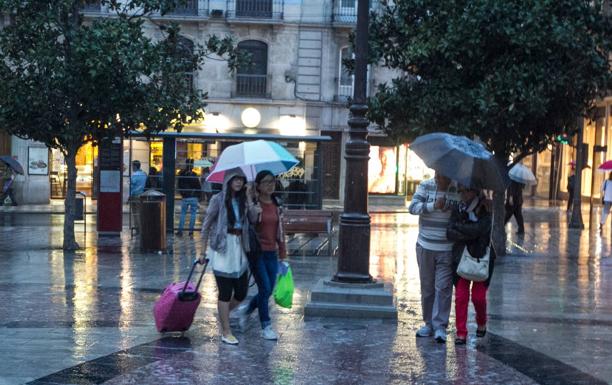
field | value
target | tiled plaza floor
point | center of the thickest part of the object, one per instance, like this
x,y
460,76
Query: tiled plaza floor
x,y
85,317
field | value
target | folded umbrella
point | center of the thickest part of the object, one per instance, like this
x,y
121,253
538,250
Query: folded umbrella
x,y
12,163
252,157
521,174
460,159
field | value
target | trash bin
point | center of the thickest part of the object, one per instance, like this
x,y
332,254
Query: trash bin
x,y
79,206
152,220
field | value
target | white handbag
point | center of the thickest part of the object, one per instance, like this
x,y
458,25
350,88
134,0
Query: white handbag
x,y
474,269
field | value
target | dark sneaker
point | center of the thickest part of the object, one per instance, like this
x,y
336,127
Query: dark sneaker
x,y
179,234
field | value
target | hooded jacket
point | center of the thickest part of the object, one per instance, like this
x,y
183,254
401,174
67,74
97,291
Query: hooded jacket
x,y
214,224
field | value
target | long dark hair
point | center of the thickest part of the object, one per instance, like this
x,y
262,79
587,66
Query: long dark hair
x,y
240,195
260,176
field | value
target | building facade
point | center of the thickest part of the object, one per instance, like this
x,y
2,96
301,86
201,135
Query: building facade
x,y
295,85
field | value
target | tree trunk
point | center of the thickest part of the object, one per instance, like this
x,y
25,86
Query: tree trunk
x,y
498,236
499,228
69,202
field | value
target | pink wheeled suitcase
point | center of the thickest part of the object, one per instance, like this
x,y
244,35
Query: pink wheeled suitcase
x,y
176,307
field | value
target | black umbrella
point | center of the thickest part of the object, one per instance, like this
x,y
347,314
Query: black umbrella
x,y
12,163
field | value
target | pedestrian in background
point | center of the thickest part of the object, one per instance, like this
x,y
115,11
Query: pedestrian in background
x,y
570,187
514,205
138,180
433,202
8,179
189,188
225,226
266,213
206,185
470,226
154,181
606,193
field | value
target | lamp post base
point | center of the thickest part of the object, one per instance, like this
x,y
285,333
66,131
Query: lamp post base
x,y
350,300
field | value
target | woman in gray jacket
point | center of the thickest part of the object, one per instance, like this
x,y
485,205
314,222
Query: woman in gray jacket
x,y
225,230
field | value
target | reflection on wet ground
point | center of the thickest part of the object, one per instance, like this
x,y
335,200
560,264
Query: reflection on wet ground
x,y
85,317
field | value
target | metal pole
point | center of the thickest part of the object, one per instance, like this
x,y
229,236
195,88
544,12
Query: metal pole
x,y
576,221
354,239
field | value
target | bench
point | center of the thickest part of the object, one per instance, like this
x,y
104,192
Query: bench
x,y
310,222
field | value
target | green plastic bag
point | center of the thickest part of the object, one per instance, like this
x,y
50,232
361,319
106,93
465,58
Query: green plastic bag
x,y
283,291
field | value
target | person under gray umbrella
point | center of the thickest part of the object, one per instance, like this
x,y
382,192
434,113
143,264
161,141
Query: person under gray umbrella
x,y
433,202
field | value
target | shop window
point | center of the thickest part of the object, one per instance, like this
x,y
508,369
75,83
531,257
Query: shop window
x,y
382,170
251,78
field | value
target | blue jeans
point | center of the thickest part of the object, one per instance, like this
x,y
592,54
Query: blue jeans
x,y
264,271
192,204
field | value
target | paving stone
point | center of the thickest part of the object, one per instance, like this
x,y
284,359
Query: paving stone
x,y
85,317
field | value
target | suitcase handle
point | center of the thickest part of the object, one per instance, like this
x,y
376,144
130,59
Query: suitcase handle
x,y
184,292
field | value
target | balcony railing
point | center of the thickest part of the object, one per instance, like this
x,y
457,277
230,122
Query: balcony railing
x,y
345,11
190,8
251,86
255,9
185,9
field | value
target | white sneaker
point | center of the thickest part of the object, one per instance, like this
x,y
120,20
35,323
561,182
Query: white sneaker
x,y
268,334
440,336
243,318
424,331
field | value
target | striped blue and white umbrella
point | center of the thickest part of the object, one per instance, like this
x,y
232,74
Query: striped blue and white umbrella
x,y
252,157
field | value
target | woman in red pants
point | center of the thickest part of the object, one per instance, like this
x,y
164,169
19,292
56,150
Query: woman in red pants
x,y
470,226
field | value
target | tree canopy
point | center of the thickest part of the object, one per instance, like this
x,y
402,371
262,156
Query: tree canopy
x,y
66,79
516,73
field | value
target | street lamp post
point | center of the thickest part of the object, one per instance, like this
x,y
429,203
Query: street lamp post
x,y
354,238
352,292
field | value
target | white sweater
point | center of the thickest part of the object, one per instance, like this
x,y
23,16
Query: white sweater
x,y
433,222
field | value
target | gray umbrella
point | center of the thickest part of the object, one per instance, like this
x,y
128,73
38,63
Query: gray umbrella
x,y
461,159
12,163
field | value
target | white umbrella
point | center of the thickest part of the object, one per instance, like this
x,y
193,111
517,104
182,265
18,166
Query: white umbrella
x,y
521,174
252,157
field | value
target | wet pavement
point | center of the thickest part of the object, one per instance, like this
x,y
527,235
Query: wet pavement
x,y
85,317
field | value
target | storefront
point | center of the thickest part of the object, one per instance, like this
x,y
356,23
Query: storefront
x,y
300,188
394,170
86,160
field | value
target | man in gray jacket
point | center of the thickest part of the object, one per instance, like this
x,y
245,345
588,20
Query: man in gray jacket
x,y
433,203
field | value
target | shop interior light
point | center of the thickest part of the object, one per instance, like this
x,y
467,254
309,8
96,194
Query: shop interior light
x,y
292,125
250,117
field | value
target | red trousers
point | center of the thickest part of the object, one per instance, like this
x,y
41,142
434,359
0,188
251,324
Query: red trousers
x,y
462,299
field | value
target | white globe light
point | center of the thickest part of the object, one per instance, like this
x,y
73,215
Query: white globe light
x,y
250,117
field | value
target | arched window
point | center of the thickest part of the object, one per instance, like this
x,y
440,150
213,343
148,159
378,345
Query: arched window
x,y
251,78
